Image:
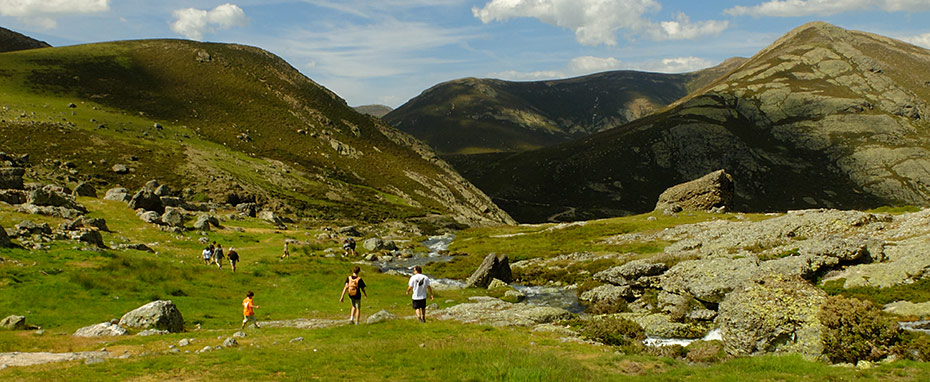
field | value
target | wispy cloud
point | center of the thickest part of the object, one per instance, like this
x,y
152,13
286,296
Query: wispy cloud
x,y
597,22
587,65
194,23
796,8
919,40
374,9
43,13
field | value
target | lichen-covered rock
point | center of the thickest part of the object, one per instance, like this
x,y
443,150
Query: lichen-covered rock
x,y
148,201
90,236
501,313
13,322
13,196
908,309
497,284
774,313
247,209
492,267
608,292
381,316
709,280
51,197
714,190
102,329
630,272
377,244
661,325
172,217
12,178
161,314
118,194
150,217
271,217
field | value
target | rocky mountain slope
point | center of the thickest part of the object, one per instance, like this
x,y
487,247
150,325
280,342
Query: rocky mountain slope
x,y
226,123
473,115
824,117
12,41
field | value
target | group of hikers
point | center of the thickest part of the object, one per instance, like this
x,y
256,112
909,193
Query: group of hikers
x,y
419,285
213,254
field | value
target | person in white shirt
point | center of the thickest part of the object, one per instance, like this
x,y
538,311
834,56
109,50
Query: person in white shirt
x,y
207,254
419,284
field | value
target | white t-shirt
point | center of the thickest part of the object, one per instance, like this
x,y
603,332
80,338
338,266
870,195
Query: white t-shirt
x,y
207,253
419,282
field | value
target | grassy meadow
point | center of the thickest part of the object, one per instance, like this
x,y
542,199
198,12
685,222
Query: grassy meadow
x,y
70,286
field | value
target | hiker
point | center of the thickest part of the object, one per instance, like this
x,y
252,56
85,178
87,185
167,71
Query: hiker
x,y
207,254
349,246
233,258
287,254
218,256
419,284
355,287
248,312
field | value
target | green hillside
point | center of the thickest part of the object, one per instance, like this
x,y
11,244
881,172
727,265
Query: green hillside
x,y
824,117
470,116
230,123
12,41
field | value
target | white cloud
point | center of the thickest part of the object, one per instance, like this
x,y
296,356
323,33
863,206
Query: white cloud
x,y
919,40
580,66
795,8
597,22
42,13
194,23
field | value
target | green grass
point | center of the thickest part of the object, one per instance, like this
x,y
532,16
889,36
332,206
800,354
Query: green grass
x,y
917,292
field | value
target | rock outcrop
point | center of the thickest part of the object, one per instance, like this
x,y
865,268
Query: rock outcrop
x,y
103,329
493,267
496,312
711,192
4,239
12,178
13,322
161,314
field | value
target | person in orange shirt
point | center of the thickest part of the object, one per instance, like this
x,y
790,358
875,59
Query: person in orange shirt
x,y
247,311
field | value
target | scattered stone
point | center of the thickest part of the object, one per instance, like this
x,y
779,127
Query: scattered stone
x,y
609,292
13,197
271,217
172,217
85,189
161,314
49,196
102,329
239,334
381,316
497,283
137,247
93,361
371,257
713,190
151,217
205,349
148,201
376,244
230,342
90,236
120,169
162,190
630,272
349,231
493,267
12,178
184,342
297,339
247,209
512,296
13,322
152,332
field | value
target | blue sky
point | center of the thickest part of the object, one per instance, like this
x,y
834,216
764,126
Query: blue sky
x,y
388,51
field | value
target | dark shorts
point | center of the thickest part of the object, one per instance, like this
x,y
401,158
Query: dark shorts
x,y
419,304
356,302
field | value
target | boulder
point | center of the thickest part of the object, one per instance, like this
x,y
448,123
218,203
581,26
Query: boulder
x,y
137,247
230,342
493,267
608,292
711,191
172,217
162,190
661,325
271,217
4,239
14,322
102,329
152,332
98,223
772,313
202,223
349,231
90,236
29,228
709,280
161,314
907,308
147,201
85,189
514,296
120,169
60,212
150,217
630,272
51,197
119,194
376,244
247,209
12,178
497,284
13,196
381,316
496,312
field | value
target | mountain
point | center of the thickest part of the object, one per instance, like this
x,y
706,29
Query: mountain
x,y
11,41
374,110
471,115
824,117
229,123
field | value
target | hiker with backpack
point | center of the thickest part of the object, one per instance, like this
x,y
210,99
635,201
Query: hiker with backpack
x,y
218,256
233,258
349,246
419,284
355,287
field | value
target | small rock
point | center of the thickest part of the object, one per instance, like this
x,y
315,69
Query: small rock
x,y
381,316
184,342
298,339
230,342
93,361
239,334
152,332
120,169
13,322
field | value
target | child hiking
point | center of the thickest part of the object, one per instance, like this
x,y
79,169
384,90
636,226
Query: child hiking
x,y
247,311
233,258
419,284
355,287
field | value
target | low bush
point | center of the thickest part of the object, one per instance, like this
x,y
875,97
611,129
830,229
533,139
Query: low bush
x,y
706,351
855,330
670,351
614,331
609,307
915,346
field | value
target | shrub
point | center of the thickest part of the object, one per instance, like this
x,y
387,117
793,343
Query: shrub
x,y
614,331
669,351
609,307
706,351
915,346
855,330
